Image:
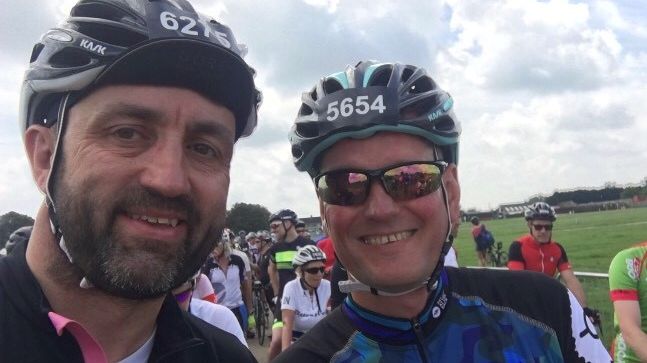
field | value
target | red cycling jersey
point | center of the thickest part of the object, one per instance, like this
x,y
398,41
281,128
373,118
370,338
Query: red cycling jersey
x,y
528,254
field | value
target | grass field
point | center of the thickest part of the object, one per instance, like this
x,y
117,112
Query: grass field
x,y
591,240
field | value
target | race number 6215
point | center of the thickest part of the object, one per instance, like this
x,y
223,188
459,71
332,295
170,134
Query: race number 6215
x,y
359,106
171,21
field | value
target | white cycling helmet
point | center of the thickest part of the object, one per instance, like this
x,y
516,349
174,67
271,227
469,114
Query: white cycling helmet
x,y
307,254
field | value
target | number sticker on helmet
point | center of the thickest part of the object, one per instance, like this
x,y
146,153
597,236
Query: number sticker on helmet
x,y
359,105
190,26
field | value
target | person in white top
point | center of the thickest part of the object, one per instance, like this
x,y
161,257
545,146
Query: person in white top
x,y
203,289
450,258
214,314
305,299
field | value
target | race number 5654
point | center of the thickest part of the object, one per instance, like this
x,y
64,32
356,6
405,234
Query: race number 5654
x,y
349,106
187,25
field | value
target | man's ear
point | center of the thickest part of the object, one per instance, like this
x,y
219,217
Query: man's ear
x,y
450,180
322,215
40,144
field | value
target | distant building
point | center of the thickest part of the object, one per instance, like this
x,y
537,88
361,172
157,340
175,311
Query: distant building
x,y
512,210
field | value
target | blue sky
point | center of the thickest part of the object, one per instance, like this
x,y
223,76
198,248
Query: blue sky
x,y
550,93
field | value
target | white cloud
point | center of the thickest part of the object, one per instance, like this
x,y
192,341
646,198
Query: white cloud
x,y
550,93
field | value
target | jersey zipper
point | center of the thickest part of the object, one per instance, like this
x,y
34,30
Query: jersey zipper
x,y
541,252
417,329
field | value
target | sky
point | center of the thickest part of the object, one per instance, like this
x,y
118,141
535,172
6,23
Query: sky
x,y
549,93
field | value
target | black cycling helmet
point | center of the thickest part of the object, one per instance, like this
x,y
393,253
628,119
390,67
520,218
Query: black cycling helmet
x,y
142,42
369,98
20,235
541,211
155,42
475,220
283,215
300,224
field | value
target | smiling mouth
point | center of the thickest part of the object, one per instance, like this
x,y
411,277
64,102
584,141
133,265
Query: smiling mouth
x,y
172,222
382,239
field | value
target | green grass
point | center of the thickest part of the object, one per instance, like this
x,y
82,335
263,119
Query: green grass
x,y
591,240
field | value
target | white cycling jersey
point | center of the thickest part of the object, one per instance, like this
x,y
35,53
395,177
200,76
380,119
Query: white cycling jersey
x,y
307,312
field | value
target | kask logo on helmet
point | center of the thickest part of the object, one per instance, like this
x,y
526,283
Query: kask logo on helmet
x,y
89,45
446,106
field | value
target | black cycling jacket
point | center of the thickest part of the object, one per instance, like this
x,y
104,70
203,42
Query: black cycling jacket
x,y
27,334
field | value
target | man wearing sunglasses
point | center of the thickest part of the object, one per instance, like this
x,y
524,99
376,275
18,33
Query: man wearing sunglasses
x,y
282,223
536,251
380,141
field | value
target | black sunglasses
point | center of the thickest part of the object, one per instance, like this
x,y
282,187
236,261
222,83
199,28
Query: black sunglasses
x,y
539,227
402,181
315,270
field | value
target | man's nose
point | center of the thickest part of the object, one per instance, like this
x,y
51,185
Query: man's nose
x,y
166,169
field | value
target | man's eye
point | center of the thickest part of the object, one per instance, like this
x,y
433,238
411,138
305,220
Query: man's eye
x,y
203,149
126,133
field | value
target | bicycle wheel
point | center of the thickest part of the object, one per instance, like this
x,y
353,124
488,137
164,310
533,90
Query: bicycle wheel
x,y
491,258
259,314
503,259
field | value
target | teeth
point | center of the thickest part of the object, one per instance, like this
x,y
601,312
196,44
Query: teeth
x,y
165,221
384,239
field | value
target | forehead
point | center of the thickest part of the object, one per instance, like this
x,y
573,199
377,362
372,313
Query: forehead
x,y
159,103
379,150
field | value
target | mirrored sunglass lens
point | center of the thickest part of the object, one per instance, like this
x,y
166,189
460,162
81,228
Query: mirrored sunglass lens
x,y
412,181
342,188
315,270
539,227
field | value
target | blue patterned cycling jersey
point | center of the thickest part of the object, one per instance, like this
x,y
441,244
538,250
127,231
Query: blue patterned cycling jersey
x,y
471,316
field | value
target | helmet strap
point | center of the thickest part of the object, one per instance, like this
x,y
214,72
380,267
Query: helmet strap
x,y
49,195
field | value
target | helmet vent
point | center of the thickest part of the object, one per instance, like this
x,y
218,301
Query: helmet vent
x,y
111,34
104,11
69,58
305,110
297,152
36,52
332,85
381,77
444,124
406,74
422,84
307,129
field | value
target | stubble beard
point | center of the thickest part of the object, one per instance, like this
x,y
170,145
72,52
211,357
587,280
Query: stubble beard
x,y
121,265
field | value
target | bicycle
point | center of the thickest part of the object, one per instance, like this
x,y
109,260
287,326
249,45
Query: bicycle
x,y
497,257
261,311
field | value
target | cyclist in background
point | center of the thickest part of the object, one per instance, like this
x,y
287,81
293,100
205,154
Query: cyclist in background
x,y
305,299
20,235
280,270
628,291
214,314
482,244
380,141
226,272
536,251
302,231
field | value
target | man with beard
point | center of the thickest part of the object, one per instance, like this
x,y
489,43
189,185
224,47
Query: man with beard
x,y
129,114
